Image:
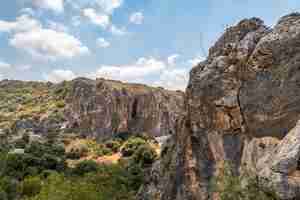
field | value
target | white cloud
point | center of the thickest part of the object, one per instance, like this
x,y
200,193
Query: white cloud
x,y
117,31
102,43
76,21
22,23
30,36
60,75
4,65
103,6
131,73
195,61
49,44
144,70
136,18
27,11
175,79
54,5
57,26
172,59
1,77
24,67
109,6
102,20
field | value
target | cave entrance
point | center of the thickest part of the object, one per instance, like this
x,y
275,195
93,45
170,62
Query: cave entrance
x,y
134,109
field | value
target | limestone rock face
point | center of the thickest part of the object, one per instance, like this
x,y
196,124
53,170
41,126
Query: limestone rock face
x,y
240,103
102,108
279,169
97,108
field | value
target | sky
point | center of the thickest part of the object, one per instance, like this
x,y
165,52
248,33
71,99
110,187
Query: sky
x,y
153,42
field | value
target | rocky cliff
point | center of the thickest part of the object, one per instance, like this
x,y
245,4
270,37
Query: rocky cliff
x,y
87,107
104,107
242,106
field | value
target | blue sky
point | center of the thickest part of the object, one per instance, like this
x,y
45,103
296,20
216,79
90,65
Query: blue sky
x,y
148,41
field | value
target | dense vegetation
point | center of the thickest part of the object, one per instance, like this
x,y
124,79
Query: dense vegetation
x,y
52,170
31,101
229,186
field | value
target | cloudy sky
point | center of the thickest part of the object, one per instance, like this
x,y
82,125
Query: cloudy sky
x,y
147,41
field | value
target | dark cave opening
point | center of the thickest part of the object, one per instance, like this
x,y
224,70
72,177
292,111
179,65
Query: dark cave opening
x,y
134,109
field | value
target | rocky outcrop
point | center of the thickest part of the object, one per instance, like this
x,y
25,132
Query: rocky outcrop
x,y
97,108
279,169
240,105
102,108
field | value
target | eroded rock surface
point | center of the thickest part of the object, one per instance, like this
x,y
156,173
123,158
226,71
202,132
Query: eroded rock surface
x,y
98,108
279,169
240,103
102,108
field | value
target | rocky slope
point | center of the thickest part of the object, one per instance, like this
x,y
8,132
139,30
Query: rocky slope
x,y
86,107
242,106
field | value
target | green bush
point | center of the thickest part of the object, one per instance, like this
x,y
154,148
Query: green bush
x,y
37,157
136,176
132,145
108,182
60,104
15,165
31,186
59,187
145,155
114,145
9,187
41,173
77,151
52,162
114,182
86,166
3,195
230,186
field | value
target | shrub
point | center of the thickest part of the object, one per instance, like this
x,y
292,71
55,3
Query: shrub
x,y
52,162
73,155
60,104
131,146
15,165
9,187
135,176
59,187
114,145
145,155
85,167
3,195
32,171
36,149
37,157
230,186
31,186
78,150
114,181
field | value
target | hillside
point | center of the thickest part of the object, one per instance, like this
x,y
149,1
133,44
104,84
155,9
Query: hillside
x,y
97,109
